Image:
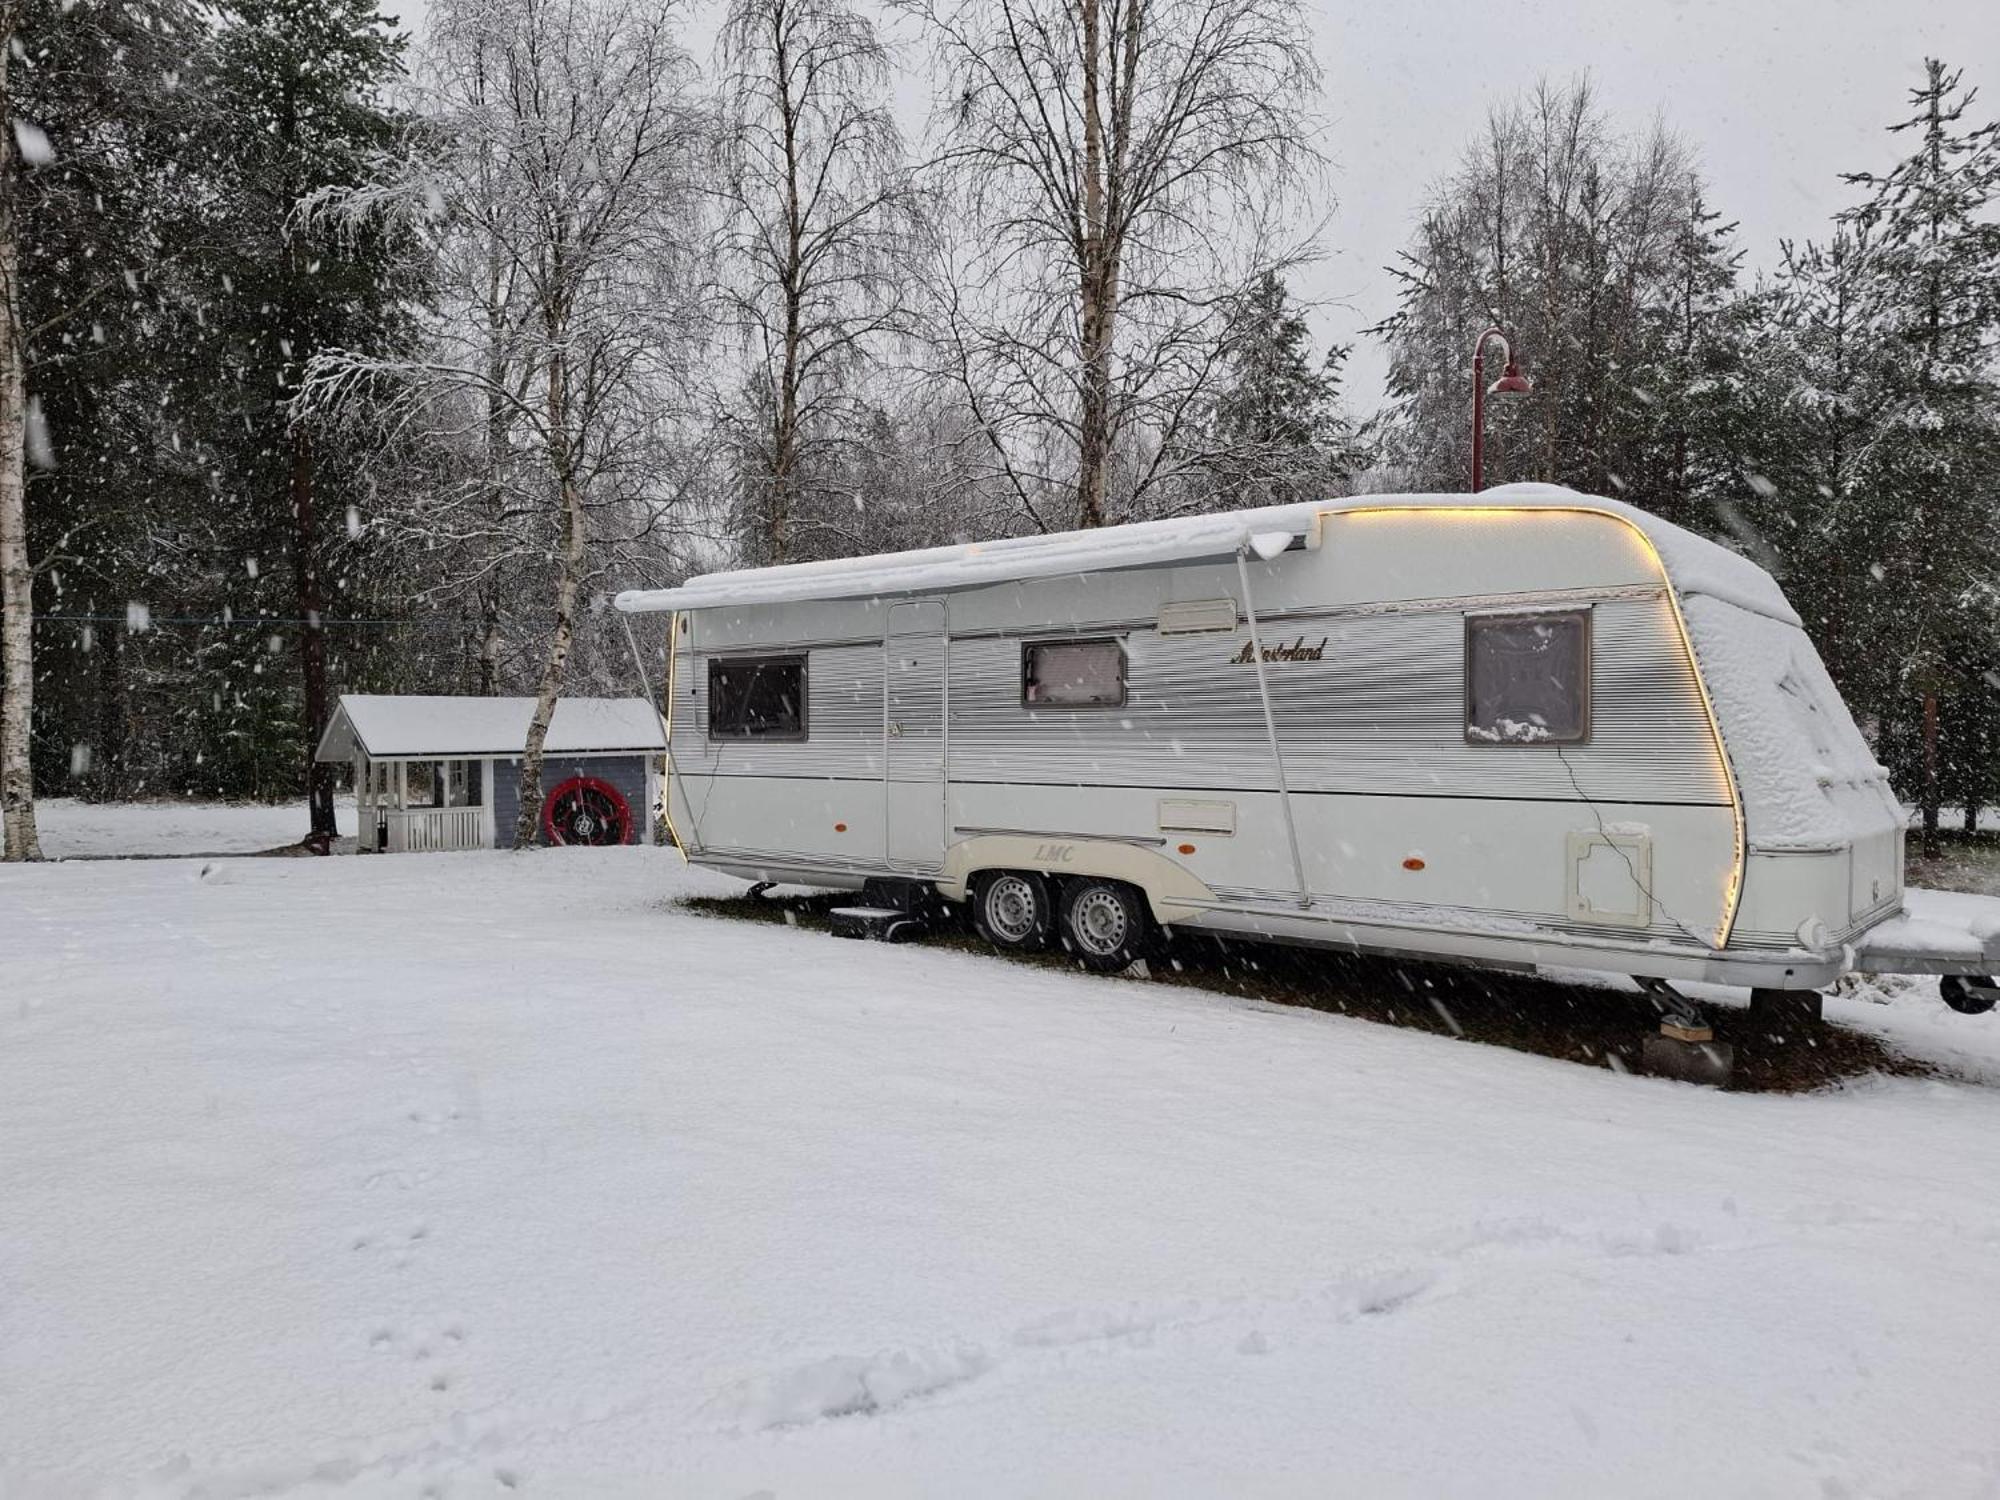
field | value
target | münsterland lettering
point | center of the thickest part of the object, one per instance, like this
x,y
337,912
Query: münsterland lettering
x,y
1297,651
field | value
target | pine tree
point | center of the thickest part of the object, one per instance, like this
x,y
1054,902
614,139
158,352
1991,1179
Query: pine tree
x,y
104,227
1930,301
1812,354
1278,432
297,93
1694,440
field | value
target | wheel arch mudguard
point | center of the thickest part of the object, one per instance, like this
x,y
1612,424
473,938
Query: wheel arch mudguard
x,y
1172,892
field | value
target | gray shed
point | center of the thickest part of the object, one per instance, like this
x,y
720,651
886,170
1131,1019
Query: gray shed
x,y
438,772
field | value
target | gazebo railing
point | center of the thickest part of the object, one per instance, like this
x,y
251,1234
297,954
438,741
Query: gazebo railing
x,y
427,830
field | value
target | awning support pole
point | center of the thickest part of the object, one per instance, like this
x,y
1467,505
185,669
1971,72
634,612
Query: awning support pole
x,y
1271,725
666,714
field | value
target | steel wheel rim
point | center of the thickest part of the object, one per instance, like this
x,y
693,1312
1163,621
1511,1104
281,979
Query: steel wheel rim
x,y
585,816
1010,908
1099,922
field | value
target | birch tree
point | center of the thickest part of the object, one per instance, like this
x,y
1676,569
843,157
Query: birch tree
x,y
567,134
1115,167
815,237
17,652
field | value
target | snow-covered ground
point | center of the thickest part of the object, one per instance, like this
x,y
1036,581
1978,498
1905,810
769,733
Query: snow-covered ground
x,y
493,1174
70,829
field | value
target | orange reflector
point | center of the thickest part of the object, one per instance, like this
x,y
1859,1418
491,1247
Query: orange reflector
x,y
840,828
1413,863
1187,848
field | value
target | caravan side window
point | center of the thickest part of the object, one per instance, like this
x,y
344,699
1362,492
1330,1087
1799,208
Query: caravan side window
x,y
1073,674
1527,678
757,697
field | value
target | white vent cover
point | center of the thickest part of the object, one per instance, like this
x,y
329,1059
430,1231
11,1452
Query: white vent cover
x,y
1197,615
1192,815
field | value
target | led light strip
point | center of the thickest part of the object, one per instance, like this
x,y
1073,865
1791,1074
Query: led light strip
x,y
1732,895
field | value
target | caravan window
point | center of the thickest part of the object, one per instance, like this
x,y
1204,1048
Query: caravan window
x,y
1527,678
1073,674
757,698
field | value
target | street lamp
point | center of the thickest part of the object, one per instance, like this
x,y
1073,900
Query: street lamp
x,y
1511,383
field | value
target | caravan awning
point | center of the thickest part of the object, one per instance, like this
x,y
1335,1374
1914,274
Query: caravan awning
x,y
1695,564
1145,544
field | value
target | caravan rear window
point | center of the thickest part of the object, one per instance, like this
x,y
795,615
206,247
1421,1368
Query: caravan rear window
x,y
1073,674
1527,678
757,697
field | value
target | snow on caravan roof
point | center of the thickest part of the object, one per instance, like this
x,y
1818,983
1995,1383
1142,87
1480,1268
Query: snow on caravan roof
x,y
426,725
1695,564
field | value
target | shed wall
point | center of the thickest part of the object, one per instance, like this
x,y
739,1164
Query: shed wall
x,y
625,772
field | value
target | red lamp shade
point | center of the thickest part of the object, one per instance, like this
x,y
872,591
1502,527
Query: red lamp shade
x,y
1513,383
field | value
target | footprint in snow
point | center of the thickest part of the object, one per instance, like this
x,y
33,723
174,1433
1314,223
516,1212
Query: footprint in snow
x,y
847,1385
1370,1296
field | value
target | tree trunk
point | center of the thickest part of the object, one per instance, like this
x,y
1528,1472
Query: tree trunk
x,y
108,781
1094,396
528,826
489,639
785,433
498,454
312,637
1930,803
17,619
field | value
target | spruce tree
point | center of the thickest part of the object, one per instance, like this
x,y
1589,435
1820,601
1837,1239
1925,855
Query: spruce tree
x,y
103,219
1695,455
1278,433
1931,303
297,93
1813,353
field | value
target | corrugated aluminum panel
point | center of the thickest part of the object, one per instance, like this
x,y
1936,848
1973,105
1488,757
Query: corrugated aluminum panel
x,y
844,713
1379,710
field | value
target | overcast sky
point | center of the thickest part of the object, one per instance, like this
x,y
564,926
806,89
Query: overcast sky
x,y
1778,97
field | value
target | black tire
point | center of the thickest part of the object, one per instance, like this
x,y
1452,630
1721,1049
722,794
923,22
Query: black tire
x,y
1013,909
1969,996
584,810
1105,925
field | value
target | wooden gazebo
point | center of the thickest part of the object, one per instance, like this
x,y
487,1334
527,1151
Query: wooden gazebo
x,y
440,772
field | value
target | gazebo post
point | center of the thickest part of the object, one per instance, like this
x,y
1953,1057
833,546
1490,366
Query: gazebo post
x,y
361,826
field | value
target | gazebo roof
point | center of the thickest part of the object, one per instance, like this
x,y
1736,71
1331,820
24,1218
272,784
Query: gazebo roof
x,y
441,726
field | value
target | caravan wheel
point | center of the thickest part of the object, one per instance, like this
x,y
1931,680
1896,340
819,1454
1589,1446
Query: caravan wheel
x,y
1011,908
1968,996
1105,925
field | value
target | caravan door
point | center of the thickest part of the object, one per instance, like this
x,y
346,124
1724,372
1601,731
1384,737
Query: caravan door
x,y
913,730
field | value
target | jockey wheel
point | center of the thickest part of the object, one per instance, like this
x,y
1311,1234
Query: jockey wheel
x,y
584,810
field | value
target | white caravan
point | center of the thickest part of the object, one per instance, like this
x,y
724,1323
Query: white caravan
x,y
1528,727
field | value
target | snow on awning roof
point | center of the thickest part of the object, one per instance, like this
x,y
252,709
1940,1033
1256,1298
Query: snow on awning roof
x,y
386,726
1695,564
1140,545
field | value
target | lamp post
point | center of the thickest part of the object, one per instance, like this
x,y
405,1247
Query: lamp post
x,y
1511,383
